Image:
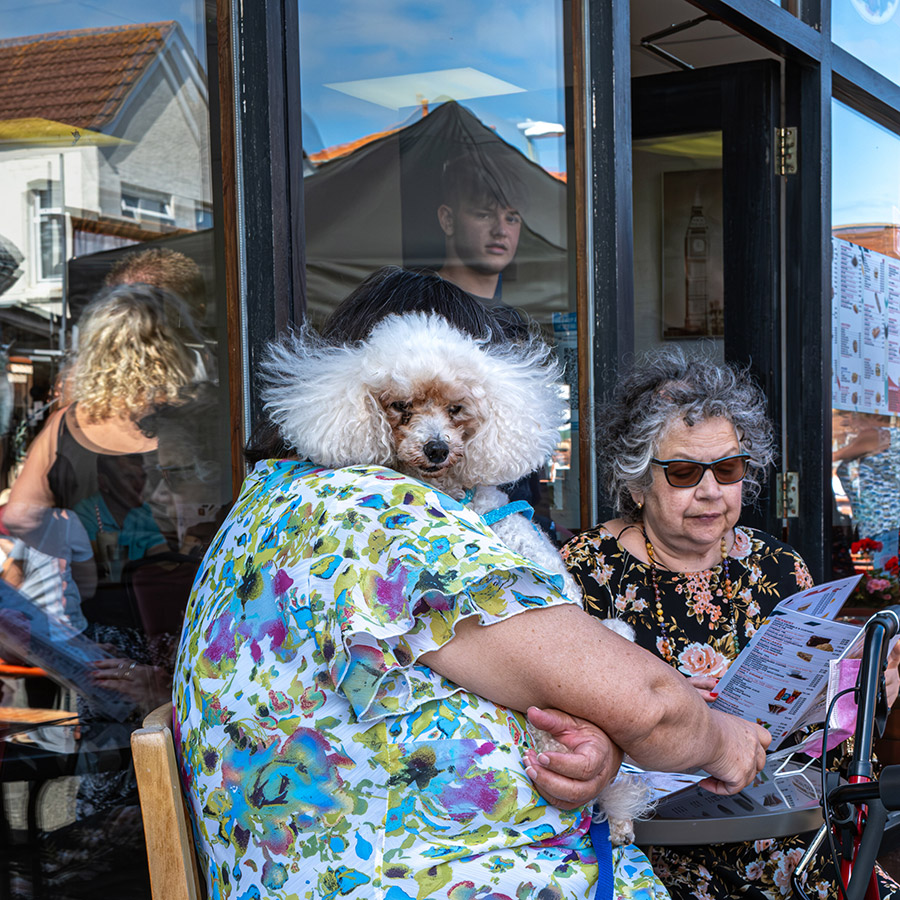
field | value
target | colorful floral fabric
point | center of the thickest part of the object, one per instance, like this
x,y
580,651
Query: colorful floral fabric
x,y
702,638
321,758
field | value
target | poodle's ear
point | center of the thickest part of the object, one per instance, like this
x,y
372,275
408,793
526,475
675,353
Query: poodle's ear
x,y
322,406
523,410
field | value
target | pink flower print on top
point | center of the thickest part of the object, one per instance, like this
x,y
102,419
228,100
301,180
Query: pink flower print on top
x,y
701,659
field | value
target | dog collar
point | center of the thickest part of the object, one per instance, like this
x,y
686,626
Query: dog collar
x,y
510,509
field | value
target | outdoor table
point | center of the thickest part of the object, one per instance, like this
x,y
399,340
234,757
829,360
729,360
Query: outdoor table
x,y
775,805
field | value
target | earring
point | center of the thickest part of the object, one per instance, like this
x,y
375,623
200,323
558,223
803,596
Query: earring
x,y
640,505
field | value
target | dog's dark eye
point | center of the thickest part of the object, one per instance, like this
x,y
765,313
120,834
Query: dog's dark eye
x,y
454,410
400,406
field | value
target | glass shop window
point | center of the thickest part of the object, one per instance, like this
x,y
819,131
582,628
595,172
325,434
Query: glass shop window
x,y
870,30
679,264
114,451
416,122
135,206
865,351
48,233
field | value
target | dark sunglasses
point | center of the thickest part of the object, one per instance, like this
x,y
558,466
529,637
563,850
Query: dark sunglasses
x,y
685,473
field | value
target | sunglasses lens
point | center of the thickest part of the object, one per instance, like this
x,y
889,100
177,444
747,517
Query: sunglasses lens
x,y
730,470
683,473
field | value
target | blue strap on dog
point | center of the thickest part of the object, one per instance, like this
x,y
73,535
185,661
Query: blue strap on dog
x,y
510,509
603,889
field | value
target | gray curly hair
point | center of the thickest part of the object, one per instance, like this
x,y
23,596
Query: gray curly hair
x,y
661,388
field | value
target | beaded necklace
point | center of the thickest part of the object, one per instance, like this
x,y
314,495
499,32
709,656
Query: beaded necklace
x,y
664,643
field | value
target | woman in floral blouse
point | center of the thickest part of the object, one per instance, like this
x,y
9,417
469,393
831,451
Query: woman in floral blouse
x,y
358,656
684,442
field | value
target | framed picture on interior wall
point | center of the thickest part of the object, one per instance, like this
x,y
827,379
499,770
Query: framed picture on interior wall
x,y
692,279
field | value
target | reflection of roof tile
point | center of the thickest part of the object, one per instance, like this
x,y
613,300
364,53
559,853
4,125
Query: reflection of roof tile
x,y
339,150
77,77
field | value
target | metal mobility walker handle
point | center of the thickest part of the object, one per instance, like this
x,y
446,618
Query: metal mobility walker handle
x,y
856,812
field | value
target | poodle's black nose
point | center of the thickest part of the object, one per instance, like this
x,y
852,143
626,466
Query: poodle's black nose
x,y
436,451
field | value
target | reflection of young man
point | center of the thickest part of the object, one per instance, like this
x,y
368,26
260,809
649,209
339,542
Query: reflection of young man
x,y
481,225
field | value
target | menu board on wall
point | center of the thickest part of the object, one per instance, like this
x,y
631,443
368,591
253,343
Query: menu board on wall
x,y
865,329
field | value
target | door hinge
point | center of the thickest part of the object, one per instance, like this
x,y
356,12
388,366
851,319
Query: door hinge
x,y
786,151
787,494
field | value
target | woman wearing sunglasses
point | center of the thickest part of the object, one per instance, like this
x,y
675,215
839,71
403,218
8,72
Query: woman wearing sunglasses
x,y
684,442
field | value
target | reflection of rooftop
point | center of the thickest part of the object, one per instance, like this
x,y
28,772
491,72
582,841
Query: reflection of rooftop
x,y
880,237
339,150
77,77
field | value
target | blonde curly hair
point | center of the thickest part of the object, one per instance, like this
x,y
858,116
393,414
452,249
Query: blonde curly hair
x,y
132,352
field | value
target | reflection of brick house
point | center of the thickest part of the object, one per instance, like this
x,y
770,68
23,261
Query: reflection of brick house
x,y
122,114
878,237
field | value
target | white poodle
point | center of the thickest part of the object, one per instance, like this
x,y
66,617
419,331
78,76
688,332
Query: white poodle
x,y
464,415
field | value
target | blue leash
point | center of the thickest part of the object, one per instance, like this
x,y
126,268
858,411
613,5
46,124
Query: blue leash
x,y
599,832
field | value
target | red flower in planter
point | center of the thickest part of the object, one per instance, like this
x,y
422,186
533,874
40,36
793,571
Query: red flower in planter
x,y
866,545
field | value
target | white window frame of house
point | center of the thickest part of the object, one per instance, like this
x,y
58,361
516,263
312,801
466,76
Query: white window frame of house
x,y
139,204
47,215
203,216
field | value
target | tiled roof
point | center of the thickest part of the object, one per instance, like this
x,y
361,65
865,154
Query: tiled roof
x,y
76,77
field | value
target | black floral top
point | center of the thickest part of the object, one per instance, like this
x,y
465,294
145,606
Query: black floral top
x,y
701,633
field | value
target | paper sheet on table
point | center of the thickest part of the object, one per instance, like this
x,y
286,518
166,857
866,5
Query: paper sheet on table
x,y
662,784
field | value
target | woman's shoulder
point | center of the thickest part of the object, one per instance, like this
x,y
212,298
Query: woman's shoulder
x,y
758,549
600,538
602,548
753,542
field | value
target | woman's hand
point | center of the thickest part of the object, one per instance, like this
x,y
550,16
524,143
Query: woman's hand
x,y
570,780
706,685
147,686
741,754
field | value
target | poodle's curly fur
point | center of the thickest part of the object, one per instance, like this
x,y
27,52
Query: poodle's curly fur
x,y
463,414
335,404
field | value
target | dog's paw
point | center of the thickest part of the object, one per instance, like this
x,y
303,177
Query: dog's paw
x,y
621,831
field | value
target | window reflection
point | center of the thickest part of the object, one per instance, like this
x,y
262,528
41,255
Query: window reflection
x,y
678,255
870,30
437,141
114,465
865,309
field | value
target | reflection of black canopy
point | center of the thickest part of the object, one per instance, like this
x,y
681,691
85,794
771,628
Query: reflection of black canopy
x,y
10,264
378,206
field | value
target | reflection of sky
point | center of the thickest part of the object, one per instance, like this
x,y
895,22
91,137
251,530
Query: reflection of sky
x,y
865,170
870,30
19,18
345,40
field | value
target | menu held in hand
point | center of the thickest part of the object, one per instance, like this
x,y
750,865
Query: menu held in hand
x,y
780,679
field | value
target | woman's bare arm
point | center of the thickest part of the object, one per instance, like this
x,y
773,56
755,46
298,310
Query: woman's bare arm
x,y
562,657
30,493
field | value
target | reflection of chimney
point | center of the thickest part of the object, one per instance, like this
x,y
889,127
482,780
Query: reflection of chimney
x,y
696,257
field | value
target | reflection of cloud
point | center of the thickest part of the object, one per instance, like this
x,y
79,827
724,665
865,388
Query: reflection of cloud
x,y
395,39
519,43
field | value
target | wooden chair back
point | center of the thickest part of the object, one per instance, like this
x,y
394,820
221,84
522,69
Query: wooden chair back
x,y
174,874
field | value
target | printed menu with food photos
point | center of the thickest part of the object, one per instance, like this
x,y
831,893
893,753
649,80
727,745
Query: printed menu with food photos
x,y
865,329
779,680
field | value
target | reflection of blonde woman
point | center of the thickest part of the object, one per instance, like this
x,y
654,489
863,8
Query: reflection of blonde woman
x,y
91,457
